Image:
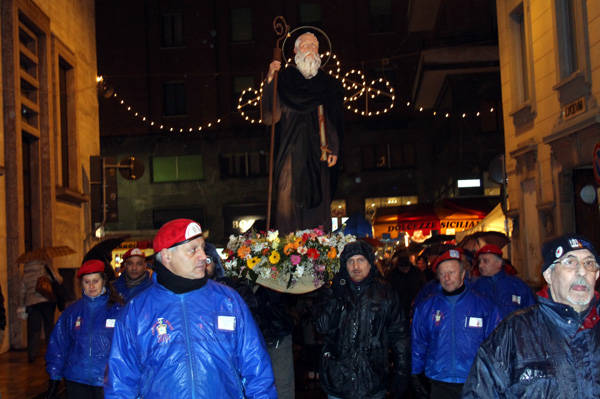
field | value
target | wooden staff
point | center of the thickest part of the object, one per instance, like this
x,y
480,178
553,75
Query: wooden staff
x,y
281,29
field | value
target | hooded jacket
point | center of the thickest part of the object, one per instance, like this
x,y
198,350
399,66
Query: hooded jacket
x,y
545,351
199,344
509,293
361,324
80,342
446,334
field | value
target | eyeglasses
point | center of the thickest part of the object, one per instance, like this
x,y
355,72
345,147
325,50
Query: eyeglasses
x,y
572,263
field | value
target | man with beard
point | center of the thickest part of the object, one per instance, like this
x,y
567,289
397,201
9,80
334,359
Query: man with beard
x,y
307,149
552,349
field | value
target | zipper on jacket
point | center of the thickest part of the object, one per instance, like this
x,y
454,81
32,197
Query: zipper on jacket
x,y
188,347
454,337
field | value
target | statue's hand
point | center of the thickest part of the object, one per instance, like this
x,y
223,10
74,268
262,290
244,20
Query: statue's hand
x,y
274,66
331,160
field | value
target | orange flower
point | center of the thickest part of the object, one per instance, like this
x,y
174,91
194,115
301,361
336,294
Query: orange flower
x,y
289,248
332,253
243,251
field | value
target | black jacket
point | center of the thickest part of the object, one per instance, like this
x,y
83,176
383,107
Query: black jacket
x,y
545,351
361,324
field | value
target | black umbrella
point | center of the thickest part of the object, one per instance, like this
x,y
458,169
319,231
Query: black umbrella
x,y
103,251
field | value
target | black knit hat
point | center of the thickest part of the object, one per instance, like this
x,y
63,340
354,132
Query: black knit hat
x,y
357,248
557,247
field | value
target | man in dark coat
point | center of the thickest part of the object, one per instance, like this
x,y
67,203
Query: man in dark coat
x,y
362,323
406,279
552,349
305,95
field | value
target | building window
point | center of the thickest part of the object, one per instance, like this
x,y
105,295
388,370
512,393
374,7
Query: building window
x,y
172,30
174,99
310,14
567,37
241,24
388,156
380,15
517,21
177,168
29,78
244,164
65,128
521,62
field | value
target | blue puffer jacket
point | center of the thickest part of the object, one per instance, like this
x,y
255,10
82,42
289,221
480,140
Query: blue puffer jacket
x,y
446,334
127,293
545,351
80,342
509,293
199,344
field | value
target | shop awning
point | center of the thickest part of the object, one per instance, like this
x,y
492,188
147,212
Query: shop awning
x,y
446,217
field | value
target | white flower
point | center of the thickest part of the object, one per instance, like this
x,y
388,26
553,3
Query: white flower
x,y
272,235
302,250
323,240
299,271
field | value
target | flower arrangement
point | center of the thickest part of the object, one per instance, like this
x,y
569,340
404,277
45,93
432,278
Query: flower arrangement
x,y
302,256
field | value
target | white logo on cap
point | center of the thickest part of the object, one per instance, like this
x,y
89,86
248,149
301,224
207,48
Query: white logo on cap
x,y
136,251
193,229
454,254
575,243
559,252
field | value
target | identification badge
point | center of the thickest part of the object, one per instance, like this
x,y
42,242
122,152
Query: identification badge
x,y
516,299
438,317
475,322
110,323
78,322
226,323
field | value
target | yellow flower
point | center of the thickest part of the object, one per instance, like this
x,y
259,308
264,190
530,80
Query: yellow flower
x,y
332,253
275,257
251,262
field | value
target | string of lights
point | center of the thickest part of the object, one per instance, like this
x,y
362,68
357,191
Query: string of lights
x,y
155,124
364,98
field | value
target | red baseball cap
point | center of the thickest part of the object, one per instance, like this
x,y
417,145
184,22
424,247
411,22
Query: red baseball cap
x,y
176,232
91,266
451,254
133,252
489,249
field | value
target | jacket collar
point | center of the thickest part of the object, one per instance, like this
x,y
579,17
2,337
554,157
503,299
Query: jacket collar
x,y
567,314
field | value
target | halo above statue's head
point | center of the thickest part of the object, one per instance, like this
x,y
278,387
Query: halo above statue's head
x,y
292,36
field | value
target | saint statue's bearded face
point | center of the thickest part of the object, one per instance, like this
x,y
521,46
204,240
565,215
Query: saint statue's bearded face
x,y
307,57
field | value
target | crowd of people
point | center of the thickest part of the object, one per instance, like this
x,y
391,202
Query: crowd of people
x,y
187,330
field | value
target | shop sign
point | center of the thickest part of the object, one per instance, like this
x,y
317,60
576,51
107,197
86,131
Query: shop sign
x,y
574,108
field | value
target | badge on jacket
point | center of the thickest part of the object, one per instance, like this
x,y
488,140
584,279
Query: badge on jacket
x,y
78,322
438,317
475,322
226,323
161,329
516,299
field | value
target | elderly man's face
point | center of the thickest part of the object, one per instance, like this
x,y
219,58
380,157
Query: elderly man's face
x,y
489,264
308,43
358,268
572,279
451,274
186,260
135,266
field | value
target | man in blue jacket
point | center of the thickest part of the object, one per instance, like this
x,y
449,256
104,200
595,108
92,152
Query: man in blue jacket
x,y
448,327
187,336
135,278
552,349
509,293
